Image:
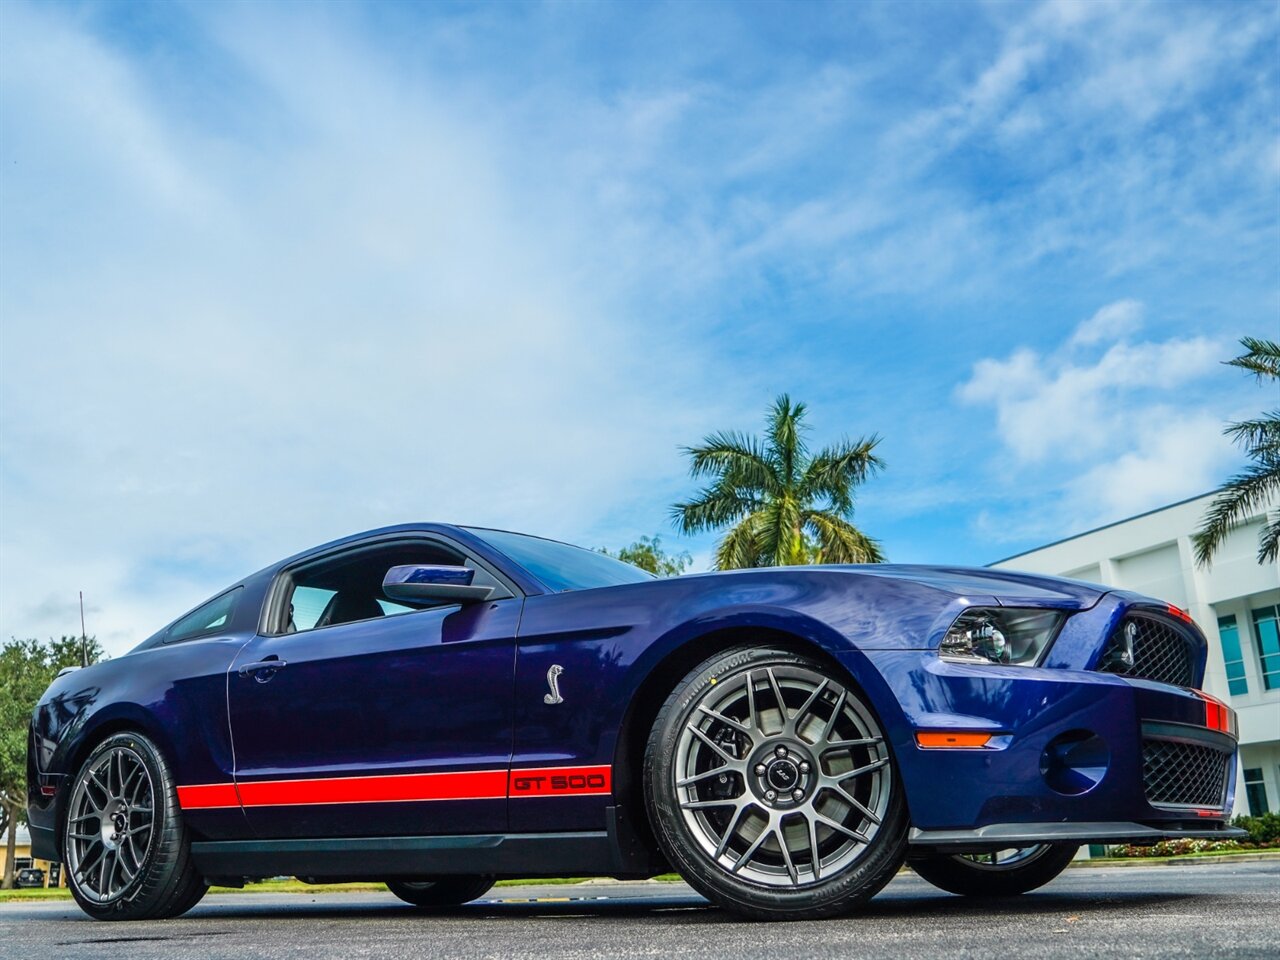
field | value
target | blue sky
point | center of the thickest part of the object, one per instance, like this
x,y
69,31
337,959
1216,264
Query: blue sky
x,y
270,274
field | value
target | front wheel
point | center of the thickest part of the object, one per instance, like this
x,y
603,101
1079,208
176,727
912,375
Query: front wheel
x,y
127,850
1000,873
771,787
441,892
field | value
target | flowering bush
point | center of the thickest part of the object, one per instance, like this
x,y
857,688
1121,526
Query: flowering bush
x,y
1264,834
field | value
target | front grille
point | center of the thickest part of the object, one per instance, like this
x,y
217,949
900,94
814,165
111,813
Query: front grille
x,y
1151,649
1177,774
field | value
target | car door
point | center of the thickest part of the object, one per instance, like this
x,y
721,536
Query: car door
x,y
378,720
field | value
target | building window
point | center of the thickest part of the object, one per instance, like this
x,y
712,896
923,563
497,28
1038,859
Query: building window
x,y
1229,632
1256,790
1267,624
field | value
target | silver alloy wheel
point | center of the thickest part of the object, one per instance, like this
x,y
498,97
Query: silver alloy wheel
x,y
111,824
1006,859
782,776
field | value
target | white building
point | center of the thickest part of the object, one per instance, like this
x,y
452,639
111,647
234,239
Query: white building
x,y
1236,602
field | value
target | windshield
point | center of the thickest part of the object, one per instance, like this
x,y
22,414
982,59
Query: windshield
x,y
561,566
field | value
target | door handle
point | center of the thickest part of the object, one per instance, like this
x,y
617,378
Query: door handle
x,y
263,670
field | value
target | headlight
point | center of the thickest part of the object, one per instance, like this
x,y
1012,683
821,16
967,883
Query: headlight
x,y
1000,635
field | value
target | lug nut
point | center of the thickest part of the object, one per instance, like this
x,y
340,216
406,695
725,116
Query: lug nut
x,y
781,751
797,794
759,769
770,796
804,767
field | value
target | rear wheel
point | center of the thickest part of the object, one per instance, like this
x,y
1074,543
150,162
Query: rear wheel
x,y
127,850
1000,873
441,892
771,787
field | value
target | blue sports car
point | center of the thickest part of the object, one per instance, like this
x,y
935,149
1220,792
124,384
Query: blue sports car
x,y
438,706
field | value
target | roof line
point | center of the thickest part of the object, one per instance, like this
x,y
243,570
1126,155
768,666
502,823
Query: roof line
x,y
1105,526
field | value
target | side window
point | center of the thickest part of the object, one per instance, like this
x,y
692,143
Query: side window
x,y
210,618
347,588
308,604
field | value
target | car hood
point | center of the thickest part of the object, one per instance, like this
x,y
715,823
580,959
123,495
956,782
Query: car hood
x,y
1008,587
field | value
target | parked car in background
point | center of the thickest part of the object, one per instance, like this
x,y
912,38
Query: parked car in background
x,y
440,706
29,877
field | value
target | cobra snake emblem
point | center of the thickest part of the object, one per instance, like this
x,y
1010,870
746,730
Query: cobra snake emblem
x,y
553,681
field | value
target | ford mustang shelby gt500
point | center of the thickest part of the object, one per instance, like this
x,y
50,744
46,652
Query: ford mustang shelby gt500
x,y
439,706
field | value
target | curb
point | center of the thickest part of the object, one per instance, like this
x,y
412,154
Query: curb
x,y
1242,857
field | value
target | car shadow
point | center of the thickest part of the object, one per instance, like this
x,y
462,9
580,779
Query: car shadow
x,y
689,908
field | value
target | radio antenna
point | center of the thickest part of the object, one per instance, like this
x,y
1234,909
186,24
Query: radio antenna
x,y
84,640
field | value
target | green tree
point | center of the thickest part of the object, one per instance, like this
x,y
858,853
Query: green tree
x,y
27,667
1252,489
647,554
782,505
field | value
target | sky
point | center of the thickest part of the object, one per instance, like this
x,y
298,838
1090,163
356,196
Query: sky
x,y
275,273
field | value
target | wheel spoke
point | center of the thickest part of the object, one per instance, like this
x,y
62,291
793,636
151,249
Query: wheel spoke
x,y
792,872
868,768
751,850
727,721
814,853
724,754
837,825
845,744
838,787
704,775
808,704
703,804
86,867
777,694
752,714
834,718
731,829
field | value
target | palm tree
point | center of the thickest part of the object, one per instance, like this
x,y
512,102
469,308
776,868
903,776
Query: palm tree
x,y
1260,482
785,506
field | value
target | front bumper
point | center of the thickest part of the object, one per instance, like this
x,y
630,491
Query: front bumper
x,y
1074,754
1000,836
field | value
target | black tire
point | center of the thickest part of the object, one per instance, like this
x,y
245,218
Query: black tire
x,y
440,892
971,878
165,883
790,879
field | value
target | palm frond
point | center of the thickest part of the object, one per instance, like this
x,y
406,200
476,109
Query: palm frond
x,y
1262,359
1257,436
836,470
840,541
786,437
1238,499
735,457
714,507
740,547
1269,539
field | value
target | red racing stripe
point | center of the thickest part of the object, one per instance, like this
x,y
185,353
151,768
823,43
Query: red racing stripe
x,y
208,796
401,788
466,785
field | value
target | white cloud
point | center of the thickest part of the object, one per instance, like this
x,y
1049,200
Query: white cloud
x,y
1104,426
1069,408
1115,321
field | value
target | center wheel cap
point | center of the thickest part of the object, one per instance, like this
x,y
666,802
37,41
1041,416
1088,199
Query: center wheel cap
x,y
783,775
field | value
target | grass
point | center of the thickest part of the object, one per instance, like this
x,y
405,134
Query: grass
x,y
296,886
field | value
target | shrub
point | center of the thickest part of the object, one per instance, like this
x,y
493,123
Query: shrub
x,y
1262,829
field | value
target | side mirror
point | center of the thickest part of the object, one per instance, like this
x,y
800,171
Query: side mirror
x,y
433,584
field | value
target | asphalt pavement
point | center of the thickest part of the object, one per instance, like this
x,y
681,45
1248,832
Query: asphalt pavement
x,y
1201,909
